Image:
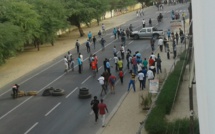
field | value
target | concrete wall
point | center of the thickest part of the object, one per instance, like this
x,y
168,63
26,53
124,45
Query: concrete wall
x,y
204,48
107,15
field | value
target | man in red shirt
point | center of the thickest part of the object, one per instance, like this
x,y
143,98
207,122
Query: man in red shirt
x,y
102,107
151,62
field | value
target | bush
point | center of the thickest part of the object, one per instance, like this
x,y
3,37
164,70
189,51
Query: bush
x,y
156,123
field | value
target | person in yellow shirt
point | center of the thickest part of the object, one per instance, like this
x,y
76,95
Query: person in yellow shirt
x,y
120,64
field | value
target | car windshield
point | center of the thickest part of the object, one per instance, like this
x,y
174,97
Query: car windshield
x,y
155,29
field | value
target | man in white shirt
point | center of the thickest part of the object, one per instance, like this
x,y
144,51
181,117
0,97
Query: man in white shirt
x,y
101,80
153,56
160,44
116,59
150,75
65,63
141,78
144,23
122,52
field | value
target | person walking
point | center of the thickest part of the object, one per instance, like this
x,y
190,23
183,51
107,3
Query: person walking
x,y
103,44
181,33
102,107
100,34
158,61
114,32
134,64
89,36
150,75
145,63
132,82
176,37
150,22
144,23
114,50
82,60
96,61
160,44
174,51
168,34
94,42
15,90
120,63
77,44
122,50
152,41
79,64
165,44
127,33
66,64
128,59
141,79
72,64
101,80
121,76
108,65
103,28
112,81
104,64
69,56
116,59
94,105
88,46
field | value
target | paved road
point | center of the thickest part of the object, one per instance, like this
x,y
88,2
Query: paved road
x,y
68,114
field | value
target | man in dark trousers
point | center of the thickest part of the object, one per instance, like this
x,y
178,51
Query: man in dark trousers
x,y
94,105
15,90
77,46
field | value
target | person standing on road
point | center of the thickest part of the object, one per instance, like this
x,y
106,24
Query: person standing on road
x,y
82,60
94,105
176,37
72,64
127,33
120,63
150,22
145,63
114,50
134,64
144,23
88,46
128,59
69,56
168,34
181,33
121,76
65,63
89,36
104,64
158,61
132,82
114,32
101,80
77,44
116,59
122,50
99,33
103,44
152,41
165,44
112,81
141,79
79,64
160,44
108,65
103,28
118,33
94,42
96,61
15,90
102,107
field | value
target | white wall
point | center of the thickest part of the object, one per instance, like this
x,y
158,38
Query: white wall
x,y
204,45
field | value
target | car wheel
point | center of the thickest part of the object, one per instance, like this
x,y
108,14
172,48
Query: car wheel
x,y
136,37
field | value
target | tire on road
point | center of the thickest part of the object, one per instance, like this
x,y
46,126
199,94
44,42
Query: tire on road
x,y
84,96
58,92
84,93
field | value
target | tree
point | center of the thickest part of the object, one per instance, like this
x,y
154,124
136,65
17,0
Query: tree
x,y
101,7
21,14
79,11
53,19
145,2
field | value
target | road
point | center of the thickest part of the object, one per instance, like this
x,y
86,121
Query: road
x,y
69,114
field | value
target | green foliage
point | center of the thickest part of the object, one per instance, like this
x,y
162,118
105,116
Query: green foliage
x,y
156,123
182,126
147,2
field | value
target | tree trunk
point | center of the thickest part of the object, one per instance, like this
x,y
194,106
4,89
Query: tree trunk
x,y
98,21
52,42
38,46
80,31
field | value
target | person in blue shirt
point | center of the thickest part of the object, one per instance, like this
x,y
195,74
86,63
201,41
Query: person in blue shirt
x,y
108,65
145,73
114,32
168,34
79,64
89,35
